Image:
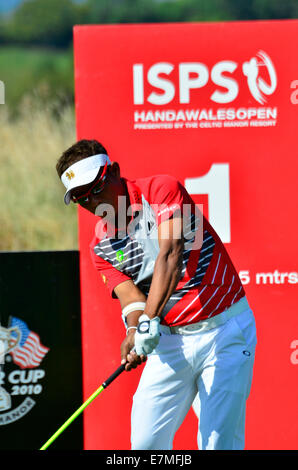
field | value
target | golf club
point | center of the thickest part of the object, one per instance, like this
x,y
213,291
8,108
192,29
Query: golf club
x,y
104,385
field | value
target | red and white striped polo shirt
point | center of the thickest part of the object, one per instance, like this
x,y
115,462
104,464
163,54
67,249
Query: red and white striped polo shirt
x,y
209,282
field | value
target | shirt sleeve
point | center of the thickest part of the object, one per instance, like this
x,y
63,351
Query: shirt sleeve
x,y
110,276
168,198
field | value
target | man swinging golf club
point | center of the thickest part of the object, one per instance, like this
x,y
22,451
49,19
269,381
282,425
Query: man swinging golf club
x,y
183,304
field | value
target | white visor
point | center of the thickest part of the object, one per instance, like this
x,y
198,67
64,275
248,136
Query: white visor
x,y
82,172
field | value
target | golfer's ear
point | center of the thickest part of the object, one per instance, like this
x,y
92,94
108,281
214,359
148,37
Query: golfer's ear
x,y
115,169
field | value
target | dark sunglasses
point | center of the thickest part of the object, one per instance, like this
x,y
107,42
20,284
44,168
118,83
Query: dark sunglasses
x,y
95,189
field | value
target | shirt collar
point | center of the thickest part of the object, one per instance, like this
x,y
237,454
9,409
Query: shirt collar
x,y
134,205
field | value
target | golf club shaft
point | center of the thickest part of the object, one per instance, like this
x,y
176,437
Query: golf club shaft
x,y
83,406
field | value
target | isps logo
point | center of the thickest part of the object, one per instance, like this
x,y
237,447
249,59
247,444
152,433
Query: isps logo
x,y
258,72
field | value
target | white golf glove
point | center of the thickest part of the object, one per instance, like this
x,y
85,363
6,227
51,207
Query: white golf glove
x,y
147,335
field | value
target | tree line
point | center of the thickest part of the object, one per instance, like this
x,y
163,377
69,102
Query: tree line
x,y
49,23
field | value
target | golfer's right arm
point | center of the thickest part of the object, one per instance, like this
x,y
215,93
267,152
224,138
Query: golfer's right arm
x,y
127,293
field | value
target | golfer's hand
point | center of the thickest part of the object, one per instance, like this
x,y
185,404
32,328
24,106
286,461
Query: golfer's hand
x,y
129,357
148,335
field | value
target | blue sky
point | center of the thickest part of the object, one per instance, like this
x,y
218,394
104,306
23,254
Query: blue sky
x,y
8,5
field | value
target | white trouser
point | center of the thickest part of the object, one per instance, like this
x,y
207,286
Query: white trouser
x,y
210,369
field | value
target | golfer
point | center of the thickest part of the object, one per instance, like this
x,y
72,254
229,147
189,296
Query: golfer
x,y
183,305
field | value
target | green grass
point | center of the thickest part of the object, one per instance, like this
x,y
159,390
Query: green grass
x,y
33,215
37,124
44,72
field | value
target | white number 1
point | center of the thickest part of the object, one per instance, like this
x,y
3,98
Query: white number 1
x,y
215,183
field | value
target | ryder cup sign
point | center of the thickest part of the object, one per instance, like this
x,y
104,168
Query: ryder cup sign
x,y
21,354
257,75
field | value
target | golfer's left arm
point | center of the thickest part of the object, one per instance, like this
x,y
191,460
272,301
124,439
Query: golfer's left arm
x,y
168,266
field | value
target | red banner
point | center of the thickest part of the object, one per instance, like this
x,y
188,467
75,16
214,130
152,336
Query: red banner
x,y
213,104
